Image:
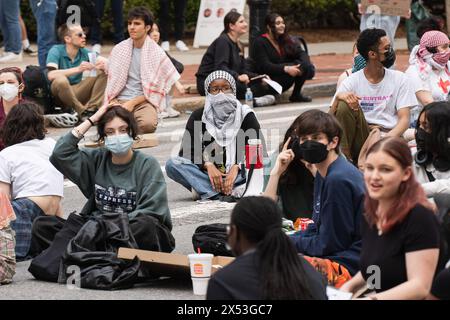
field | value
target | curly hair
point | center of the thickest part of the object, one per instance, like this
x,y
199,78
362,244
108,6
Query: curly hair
x,y
369,40
24,122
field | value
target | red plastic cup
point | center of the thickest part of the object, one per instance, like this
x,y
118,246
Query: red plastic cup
x,y
254,154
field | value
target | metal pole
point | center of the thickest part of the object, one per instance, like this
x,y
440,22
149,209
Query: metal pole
x,y
258,11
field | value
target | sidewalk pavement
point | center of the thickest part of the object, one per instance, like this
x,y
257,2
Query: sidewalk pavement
x,y
330,59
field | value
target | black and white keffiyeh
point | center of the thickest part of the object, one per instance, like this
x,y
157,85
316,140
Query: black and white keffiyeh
x,y
223,115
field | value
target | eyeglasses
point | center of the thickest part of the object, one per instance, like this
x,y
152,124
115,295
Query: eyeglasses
x,y
216,90
80,34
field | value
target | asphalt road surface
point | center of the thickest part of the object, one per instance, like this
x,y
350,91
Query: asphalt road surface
x,y
186,214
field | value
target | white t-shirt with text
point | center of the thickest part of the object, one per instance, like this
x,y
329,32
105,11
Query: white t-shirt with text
x,y
380,102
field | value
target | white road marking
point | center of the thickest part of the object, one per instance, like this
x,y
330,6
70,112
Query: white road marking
x,y
201,208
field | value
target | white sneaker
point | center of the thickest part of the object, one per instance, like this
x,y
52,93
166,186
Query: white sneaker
x,y
263,101
11,57
165,45
181,46
97,48
164,115
172,113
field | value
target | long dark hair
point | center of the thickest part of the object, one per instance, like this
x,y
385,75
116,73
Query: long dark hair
x,y
281,272
125,115
285,41
438,118
409,194
24,122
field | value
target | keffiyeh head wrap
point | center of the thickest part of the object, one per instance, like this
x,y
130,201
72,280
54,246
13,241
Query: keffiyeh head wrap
x,y
220,74
422,58
223,115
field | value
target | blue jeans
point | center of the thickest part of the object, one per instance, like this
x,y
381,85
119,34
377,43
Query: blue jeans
x,y
45,15
117,13
190,176
9,24
26,212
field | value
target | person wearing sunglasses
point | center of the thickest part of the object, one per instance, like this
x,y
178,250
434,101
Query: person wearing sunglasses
x,y
66,63
11,88
214,142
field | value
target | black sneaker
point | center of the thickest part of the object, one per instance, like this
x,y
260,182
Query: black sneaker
x,y
31,52
300,98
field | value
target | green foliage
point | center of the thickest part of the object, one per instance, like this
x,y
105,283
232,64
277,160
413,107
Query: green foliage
x,y
107,27
297,13
317,13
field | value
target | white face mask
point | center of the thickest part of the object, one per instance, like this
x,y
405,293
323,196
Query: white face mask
x,y
9,91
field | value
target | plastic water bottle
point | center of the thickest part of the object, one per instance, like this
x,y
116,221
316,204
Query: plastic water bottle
x,y
249,98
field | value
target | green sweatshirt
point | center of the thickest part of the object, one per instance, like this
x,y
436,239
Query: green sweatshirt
x,y
132,188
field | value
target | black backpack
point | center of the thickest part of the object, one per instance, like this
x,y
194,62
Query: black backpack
x,y
87,11
211,238
37,87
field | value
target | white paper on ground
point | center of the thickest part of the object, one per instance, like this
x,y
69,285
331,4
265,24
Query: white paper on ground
x,y
335,294
275,85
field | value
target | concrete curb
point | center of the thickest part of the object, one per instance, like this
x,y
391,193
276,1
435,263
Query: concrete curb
x,y
314,90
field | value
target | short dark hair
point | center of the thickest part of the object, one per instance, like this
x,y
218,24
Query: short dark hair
x,y
17,72
231,17
316,121
142,13
369,40
125,115
24,122
64,31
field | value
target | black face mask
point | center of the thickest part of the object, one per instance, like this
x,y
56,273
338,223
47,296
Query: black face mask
x,y
423,139
389,58
313,151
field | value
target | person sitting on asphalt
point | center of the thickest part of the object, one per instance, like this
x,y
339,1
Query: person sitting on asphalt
x,y
7,241
27,177
66,64
280,56
11,88
226,53
267,265
429,71
140,74
373,98
400,232
115,179
332,244
432,158
214,142
169,111
290,184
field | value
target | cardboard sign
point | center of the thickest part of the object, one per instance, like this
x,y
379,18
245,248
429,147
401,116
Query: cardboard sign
x,y
210,19
387,7
168,264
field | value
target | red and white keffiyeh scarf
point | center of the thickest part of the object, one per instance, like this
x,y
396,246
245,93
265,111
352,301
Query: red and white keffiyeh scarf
x,y
158,74
6,211
425,60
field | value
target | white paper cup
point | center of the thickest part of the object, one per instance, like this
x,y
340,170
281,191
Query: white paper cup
x,y
92,59
200,286
200,264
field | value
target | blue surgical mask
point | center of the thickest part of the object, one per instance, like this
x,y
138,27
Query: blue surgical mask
x,y
119,144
